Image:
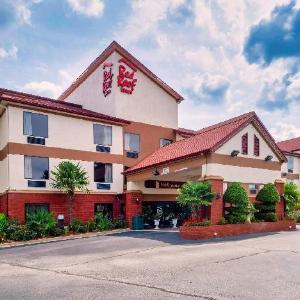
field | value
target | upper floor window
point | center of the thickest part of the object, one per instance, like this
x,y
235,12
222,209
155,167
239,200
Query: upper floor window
x,y
256,145
245,144
165,142
102,135
36,167
35,124
253,188
103,172
290,164
132,142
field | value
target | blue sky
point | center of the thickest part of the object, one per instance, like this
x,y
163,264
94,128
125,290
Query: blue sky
x,y
226,57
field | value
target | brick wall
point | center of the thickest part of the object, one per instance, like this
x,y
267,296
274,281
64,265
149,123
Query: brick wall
x,y
216,208
280,207
133,203
83,205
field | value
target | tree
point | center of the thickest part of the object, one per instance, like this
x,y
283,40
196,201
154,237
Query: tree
x,y
267,198
69,177
194,194
292,196
241,209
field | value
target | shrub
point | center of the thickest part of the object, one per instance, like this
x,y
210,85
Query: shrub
x,y
17,232
78,226
292,196
267,198
91,225
241,209
195,194
294,215
41,224
119,223
103,222
203,223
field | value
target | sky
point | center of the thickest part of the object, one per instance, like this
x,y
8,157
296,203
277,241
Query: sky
x,y
225,57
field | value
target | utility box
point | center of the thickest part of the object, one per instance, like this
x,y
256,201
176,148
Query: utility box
x,y
137,223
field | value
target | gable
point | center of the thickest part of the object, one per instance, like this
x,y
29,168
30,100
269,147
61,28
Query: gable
x,y
138,96
235,143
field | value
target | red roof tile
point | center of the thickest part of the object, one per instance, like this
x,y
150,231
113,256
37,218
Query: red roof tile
x,y
206,140
290,145
114,46
24,99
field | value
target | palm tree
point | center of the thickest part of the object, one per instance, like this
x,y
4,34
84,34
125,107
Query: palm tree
x,y
69,177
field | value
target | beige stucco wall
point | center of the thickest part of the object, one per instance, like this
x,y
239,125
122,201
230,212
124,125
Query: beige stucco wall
x,y
4,175
235,143
284,169
64,132
17,181
3,129
148,103
241,174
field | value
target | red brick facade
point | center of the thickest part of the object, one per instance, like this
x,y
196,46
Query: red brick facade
x,y
133,204
13,204
280,207
216,209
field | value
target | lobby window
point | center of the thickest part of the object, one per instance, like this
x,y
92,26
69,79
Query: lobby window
x,y
35,124
103,172
165,142
253,188
132,144
34,208
102,135
36,168
245,144
256,146
290,164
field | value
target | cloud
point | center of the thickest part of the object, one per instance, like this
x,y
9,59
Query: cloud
x,y
23,12
89,8
43,88
275,38
284,131
10,53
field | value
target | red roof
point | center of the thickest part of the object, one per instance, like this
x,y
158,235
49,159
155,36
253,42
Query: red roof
x,y
206,140
114,46
24,99
290,145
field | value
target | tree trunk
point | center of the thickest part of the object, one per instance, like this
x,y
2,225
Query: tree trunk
x,y
70,206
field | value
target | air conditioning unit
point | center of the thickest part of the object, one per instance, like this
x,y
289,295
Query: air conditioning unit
x,y
100,148
36,140
103,186
132,154
36,183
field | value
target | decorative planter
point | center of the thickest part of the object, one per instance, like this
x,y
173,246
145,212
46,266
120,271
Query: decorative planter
x,y
174,222
156,223
213,231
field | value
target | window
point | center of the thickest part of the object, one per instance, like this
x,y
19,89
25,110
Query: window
x,y
165,142
103,172
245,144
253,188
36,167
256,145
34,208
104,208
290,164
102,135
132,142
35,124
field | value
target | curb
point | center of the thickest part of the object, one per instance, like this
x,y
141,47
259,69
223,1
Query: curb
x,y
10,245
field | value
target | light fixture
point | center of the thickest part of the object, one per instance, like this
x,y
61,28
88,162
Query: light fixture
x,y
235,153
155,172
268,157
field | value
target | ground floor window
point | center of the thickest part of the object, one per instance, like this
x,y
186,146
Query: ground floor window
x,y
104,208
34,208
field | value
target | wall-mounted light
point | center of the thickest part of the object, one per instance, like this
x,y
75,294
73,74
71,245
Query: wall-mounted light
x,y
155,172
235,153
268,157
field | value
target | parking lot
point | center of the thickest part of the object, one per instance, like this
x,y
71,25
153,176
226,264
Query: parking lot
x,y
154,265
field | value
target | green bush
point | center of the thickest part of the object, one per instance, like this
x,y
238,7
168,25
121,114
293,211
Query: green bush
x,y
17,232
78,226
241,209
294,215
119,223
292,196
203,223
41,224
103,222
267,198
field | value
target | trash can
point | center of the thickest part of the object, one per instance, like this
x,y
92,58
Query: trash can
x,y
137,223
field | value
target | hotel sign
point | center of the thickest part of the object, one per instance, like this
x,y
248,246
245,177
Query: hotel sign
x,y
152,184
